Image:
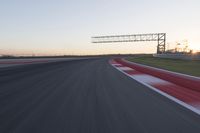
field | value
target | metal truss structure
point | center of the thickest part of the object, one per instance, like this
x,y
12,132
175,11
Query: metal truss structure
x,y
159,37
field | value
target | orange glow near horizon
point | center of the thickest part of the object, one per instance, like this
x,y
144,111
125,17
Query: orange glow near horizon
x,y
98,49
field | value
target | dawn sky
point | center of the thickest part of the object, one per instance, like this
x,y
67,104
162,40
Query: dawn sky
x,y
54,27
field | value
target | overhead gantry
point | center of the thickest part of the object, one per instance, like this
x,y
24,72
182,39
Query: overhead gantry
x,y
159,37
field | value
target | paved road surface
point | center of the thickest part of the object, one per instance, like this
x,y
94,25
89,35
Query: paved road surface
x,y
85,96
25,61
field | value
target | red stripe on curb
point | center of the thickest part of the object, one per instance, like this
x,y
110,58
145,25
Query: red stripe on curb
x,y
181,80
184,94
132,72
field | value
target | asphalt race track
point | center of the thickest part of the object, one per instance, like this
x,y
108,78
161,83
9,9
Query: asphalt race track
x,y
85,96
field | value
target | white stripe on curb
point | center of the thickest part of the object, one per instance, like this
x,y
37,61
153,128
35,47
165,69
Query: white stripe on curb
x,y
150,79
125,68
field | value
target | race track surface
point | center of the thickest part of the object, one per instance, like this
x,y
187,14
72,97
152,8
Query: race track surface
x,y
85,96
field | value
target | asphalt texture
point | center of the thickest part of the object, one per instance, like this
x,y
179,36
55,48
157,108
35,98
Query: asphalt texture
x,y
85,96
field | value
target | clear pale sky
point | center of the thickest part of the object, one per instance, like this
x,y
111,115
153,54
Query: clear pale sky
x,y
49,27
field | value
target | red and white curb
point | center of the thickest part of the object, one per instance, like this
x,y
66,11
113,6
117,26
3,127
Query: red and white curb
x,y
181,95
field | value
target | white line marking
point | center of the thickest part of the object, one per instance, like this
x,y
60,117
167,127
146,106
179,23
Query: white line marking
x,y
196,105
